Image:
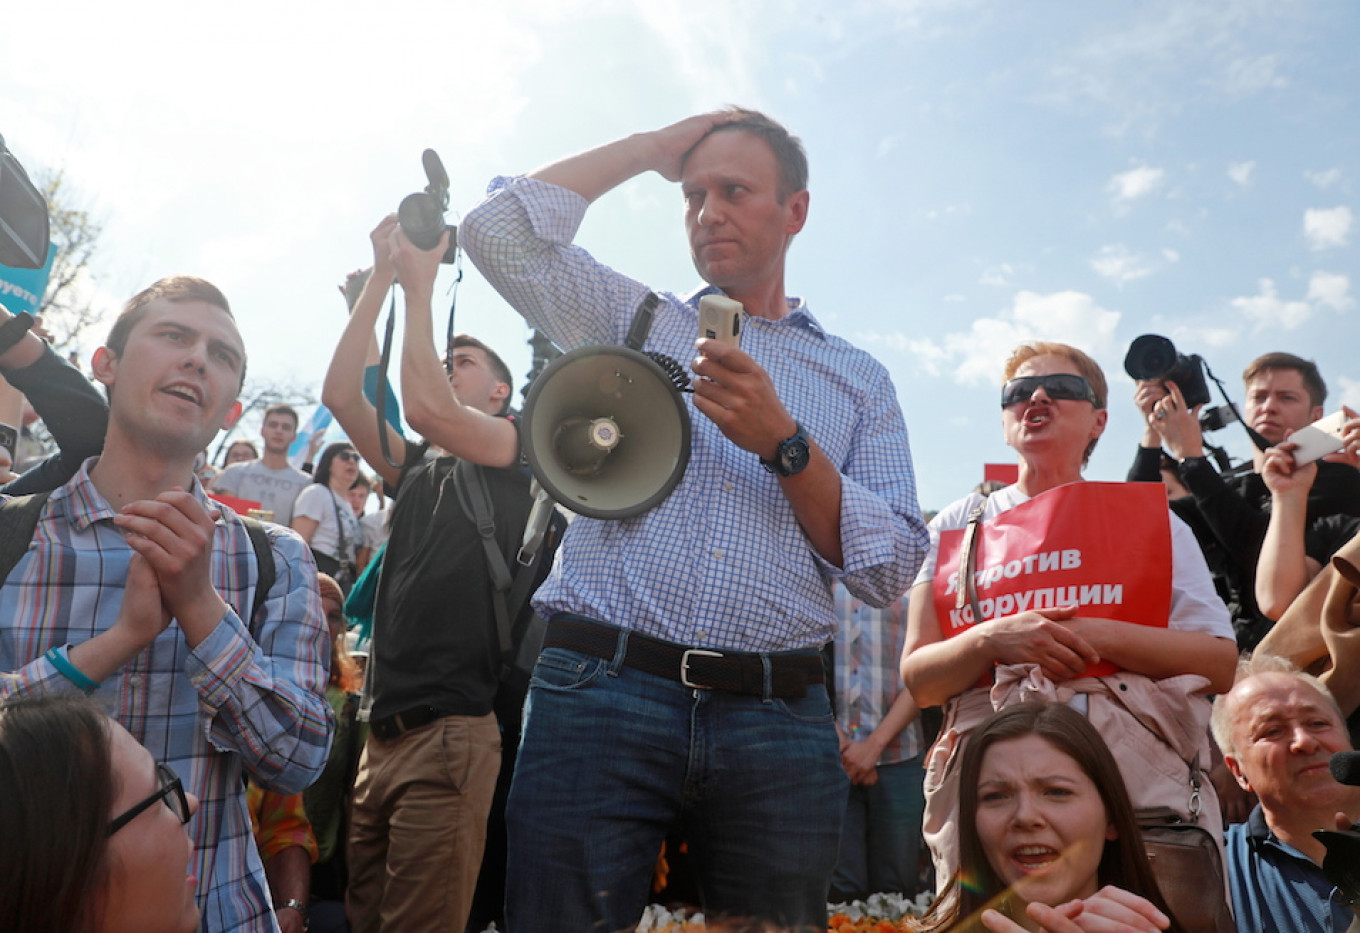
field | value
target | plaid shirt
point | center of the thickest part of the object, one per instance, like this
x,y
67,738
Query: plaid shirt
x,y
208,712
868,652
722,562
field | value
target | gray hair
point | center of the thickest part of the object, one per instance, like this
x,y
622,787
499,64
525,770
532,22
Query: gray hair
x,y
1253,665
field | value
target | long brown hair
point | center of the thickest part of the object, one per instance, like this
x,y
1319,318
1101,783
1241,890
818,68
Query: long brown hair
x,y
976,885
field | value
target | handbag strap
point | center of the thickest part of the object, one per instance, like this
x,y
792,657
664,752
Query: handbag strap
x,y
968,563
340,528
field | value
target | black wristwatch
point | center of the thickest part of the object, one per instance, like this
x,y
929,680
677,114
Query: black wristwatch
x,y
791,456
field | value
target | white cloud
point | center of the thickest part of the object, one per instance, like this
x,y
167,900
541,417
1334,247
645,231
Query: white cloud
x,y
1331,290
1241,172
1245,76
1327,227
1324,179
1002,275
1205,336
949,210
1268,309
976,355
1136,183
1116,263
1171,255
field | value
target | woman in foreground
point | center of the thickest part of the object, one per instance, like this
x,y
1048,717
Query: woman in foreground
x,y
94,838
1047,836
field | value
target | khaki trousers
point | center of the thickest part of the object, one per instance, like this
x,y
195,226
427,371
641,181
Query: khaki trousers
x,y
419,825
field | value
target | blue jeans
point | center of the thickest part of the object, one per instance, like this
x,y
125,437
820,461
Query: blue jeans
x,y
611,757
881,839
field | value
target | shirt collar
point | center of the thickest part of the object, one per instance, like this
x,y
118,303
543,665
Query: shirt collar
x,y
83,504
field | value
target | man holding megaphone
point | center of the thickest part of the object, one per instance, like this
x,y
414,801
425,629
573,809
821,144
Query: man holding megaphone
x,y
680,680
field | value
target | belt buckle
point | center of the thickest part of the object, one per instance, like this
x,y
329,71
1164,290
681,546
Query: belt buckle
x,y
684,665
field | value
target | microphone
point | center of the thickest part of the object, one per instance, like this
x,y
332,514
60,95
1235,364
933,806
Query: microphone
x,y
1346,768
434,170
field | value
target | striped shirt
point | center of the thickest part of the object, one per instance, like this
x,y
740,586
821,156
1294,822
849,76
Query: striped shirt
x,y
868,652
229,704
722,562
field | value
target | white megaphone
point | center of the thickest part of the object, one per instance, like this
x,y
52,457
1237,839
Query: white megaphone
x,y
605,429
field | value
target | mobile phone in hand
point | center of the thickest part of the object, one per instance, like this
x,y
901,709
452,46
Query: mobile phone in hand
x,y
720,319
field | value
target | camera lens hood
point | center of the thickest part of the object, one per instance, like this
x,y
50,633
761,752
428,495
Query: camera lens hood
x,y
1150,356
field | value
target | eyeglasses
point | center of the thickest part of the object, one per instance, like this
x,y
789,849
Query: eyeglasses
x,y
349,455
171,792
1056,386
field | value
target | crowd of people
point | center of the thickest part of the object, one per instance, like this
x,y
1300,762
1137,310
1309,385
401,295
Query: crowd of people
x,y
780,676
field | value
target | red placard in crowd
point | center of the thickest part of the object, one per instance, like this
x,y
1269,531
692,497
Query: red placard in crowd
x,y
1103,547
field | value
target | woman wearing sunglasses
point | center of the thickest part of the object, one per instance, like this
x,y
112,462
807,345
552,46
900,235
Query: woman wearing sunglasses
x,y
93,829
323,516
1015,633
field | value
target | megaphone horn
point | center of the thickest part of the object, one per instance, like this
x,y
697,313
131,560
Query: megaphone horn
x,y
606,431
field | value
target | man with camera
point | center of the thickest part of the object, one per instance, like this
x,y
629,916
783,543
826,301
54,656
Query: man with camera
x,y
1229,512
681,680
429,767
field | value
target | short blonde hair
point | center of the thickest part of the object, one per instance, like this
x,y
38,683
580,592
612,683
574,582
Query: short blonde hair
x,y
1087,368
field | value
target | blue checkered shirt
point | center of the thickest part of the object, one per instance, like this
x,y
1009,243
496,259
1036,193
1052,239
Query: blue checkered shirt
x,y
868,652
722,562
226,705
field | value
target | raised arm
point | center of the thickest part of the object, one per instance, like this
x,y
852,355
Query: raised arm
x,y
343,390
596,171
431,405
74,411
1284,567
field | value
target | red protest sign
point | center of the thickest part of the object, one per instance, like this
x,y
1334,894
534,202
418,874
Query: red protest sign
x,y
1103,547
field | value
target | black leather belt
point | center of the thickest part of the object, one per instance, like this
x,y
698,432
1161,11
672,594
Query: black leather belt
x,y
701,668
389,727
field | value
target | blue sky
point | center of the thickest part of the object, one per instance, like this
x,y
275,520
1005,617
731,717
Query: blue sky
x,y
982,172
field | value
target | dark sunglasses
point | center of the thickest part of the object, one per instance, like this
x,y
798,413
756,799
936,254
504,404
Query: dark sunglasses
x,y
1056,386
171,791
349,455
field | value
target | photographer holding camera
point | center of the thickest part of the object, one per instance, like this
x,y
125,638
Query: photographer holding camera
x,y
1229,511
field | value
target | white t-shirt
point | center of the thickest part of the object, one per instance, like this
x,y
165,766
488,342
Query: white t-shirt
x,y
275,490
374,525
319,503
1195,604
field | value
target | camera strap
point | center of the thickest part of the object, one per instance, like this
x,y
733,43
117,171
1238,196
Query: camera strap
x,y
385,360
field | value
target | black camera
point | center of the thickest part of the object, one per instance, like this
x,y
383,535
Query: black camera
x,y
23,216
1217,418
1152,358
422,214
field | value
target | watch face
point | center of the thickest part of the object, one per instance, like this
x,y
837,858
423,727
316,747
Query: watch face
x,y
794,456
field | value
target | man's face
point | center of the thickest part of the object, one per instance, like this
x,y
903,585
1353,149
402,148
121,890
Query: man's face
x,y
278,433
1278,402
738,230
474,382
1285,733
175,384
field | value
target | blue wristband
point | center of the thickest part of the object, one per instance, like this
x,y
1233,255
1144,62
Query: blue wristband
x,y
68,670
